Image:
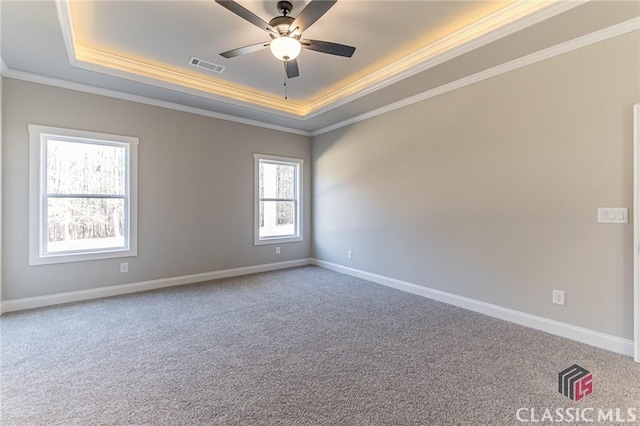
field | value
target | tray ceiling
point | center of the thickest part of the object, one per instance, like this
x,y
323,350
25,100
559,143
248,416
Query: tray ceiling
x,y
144,48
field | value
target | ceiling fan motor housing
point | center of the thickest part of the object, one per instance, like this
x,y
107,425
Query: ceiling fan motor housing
x,y
282,24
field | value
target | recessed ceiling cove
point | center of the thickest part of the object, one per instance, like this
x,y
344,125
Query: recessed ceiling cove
x,y
153,42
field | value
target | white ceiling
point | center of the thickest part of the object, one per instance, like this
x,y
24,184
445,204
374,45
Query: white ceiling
x,y
141,48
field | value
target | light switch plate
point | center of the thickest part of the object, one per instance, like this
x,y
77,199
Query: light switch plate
x,y
613,215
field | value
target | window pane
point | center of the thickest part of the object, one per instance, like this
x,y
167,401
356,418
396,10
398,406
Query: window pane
x,y
85,168
277,180
84,223
277,218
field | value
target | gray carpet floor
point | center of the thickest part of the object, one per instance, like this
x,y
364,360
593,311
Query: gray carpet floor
x,y
303,346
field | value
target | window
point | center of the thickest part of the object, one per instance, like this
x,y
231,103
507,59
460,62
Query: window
x,y
82,195
278,195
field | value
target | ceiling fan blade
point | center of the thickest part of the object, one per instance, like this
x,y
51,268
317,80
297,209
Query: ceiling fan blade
x,y
246,14
291,68
310,14
244,50
328,47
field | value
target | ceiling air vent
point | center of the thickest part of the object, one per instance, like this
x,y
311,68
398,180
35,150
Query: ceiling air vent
x,y
210,66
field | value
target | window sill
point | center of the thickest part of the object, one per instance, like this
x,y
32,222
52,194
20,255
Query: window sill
x,y
277,240
80,257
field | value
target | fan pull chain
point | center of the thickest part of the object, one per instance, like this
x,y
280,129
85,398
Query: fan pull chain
x,y
285,87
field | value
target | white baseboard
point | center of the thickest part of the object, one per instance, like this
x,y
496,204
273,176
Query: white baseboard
x,y
116,290
580,334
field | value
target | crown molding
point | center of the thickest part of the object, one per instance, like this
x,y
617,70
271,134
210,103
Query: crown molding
x,y
559,49
49,81
507,20
164,77
68,34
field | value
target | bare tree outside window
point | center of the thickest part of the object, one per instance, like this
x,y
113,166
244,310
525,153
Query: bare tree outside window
x,y
85,188
277,194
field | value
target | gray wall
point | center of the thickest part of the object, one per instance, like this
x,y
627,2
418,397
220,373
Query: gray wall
x,y
195,190
491,191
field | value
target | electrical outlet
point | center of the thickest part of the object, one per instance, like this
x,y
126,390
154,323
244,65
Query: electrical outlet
x,y
349,254
124,267
277,250
558,297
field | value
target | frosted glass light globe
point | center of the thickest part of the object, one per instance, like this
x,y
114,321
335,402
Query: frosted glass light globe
x,y
285,48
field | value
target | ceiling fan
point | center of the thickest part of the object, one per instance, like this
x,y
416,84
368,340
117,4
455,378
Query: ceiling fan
x,y
286,33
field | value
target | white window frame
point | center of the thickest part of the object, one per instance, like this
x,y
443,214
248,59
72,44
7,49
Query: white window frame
x,y
298,163
38,137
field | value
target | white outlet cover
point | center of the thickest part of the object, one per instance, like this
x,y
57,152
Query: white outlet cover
x,y
558,297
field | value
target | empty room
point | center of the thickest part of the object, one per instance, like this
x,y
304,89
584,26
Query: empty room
x,y
319,212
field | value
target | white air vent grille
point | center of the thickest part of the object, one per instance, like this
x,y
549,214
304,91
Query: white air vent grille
x,y
210,66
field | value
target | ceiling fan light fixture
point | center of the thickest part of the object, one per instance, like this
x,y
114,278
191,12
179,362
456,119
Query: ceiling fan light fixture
x,y
285,48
